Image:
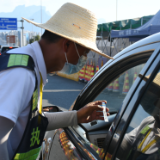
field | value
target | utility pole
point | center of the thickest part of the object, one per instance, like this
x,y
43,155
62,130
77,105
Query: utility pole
x,y
32,29
41,16
116,10
22,31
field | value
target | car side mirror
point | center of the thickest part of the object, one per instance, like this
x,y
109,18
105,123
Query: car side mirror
x,y
51,109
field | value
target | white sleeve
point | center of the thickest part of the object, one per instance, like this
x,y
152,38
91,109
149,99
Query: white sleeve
x,y
16,89
131,136
61,119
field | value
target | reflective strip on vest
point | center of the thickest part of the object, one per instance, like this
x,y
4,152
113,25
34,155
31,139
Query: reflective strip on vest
x,y
18,59
145,129
30,155
148,145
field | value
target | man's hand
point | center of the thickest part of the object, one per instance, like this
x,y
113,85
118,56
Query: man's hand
x,y
91,112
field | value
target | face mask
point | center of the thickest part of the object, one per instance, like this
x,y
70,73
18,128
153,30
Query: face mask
x,y
70,68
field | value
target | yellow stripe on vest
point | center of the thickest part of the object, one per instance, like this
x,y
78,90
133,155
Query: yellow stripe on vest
x,y
148,145
41,95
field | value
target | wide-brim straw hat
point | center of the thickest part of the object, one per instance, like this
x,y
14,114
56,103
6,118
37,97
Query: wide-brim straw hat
x,y
74,23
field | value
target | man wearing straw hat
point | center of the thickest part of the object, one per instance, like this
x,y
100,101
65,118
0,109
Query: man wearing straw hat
x,y
68,37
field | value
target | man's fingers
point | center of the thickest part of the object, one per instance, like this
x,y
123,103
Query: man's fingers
x,y
99,108
99,113
99,102
100,118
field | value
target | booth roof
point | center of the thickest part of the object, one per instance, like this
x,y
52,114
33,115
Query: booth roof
x,y
149,28
124,24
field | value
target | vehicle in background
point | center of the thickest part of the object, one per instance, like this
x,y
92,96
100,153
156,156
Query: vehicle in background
x,y
6,48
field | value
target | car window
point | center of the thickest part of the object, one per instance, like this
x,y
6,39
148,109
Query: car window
x,y
115,92
142,137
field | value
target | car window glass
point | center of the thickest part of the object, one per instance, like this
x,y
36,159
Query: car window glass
x,y
115,92
114,95
142,137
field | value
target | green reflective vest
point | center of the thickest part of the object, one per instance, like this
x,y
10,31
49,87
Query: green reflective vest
x,y
32,138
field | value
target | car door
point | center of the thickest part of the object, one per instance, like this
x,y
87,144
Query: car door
x,y
88,141
138,130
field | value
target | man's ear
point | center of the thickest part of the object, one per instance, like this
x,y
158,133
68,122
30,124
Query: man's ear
x,y
66,44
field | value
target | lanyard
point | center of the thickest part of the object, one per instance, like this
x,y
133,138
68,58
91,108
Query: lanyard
x,y
148,145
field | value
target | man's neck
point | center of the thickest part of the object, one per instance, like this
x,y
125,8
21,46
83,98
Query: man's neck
x,y
52,55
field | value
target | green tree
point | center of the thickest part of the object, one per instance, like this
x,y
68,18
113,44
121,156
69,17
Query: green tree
x,y
35,38
31,40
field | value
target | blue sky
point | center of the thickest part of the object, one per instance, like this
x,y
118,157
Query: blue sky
x,y
104,9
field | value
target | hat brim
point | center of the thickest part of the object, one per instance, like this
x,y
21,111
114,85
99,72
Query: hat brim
x,y
85,43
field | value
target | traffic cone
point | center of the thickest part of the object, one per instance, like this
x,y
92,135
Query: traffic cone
x,y
89,72
92,70
135,76
116,85
97,68
126,84
86,73
110,86
102,63
82,73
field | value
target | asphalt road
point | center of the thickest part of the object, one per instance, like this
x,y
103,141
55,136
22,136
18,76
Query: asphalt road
x,y
60,91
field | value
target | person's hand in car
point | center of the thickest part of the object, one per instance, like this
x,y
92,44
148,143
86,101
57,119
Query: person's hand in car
x,y
91,112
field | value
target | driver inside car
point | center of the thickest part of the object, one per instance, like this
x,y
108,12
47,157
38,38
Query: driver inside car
x,y
143,142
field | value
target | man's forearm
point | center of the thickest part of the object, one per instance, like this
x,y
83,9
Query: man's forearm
x,y
61,119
